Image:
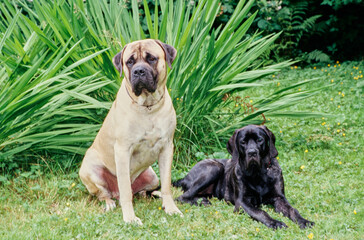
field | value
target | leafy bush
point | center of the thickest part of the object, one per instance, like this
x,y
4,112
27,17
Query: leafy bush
x,y
290,18
339,30
336,4
57,79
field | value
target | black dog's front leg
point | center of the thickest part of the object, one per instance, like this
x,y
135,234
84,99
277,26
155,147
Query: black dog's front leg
x,y
281,205
259,215
255,213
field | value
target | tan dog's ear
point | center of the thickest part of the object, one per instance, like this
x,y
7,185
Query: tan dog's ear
x,y
118,61
170,52
272,141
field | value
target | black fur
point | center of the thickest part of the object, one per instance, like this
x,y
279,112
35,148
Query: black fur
x,y
250,178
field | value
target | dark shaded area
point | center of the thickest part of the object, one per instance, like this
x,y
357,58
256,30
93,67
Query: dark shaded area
x,y
339,33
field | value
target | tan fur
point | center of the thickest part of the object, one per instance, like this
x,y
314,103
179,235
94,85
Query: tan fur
x,y
137,131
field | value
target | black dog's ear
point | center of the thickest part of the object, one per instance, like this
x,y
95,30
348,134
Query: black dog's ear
x,y
272,141
118,60
231,146
170,52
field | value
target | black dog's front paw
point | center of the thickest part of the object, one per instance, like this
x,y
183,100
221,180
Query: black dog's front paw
x,y
181,199
238,209
275,224
305,223
205,202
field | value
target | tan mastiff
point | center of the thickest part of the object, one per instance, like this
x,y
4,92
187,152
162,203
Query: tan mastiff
x,y
137,131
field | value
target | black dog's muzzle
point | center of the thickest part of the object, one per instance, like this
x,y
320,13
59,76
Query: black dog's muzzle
x,y
252,159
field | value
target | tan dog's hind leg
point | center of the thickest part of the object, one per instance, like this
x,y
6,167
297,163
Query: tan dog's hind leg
x,y
91,175
146,181
165,165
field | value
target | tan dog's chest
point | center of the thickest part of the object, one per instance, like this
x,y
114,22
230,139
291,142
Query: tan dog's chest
x,y
147,145
144,135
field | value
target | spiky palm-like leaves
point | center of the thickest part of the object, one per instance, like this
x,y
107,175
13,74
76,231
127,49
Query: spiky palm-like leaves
x,y
57,79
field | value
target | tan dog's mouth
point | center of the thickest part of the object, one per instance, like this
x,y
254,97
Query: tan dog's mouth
x,y
142,78
140,85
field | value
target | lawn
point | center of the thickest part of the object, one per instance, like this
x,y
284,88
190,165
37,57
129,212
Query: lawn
x,y
321,158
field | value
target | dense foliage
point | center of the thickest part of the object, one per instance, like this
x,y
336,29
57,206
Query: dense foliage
x,y
339,31
312,31
57,79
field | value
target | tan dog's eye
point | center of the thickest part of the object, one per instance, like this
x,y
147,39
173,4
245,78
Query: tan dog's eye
x,y
130,62
151,59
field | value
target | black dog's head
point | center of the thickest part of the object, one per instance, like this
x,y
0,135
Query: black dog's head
x,y
252,146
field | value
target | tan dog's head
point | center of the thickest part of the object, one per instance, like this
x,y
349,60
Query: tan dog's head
x,y
144,64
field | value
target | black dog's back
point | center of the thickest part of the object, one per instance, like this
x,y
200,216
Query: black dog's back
x,y
197,169
205,179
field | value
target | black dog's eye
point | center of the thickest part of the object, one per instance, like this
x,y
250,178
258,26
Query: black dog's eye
x,y
242,142
260,139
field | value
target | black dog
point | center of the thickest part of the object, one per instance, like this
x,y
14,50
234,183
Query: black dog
x,y
250,178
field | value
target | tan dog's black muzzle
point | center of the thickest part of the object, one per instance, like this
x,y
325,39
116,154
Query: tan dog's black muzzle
x,y
142,77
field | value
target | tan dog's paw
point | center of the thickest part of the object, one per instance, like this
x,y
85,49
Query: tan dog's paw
x,y
128,213
109,205
170,207
133,220
173,210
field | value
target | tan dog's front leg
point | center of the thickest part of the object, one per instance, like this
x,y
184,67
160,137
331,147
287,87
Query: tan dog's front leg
x,y
122,160
165,165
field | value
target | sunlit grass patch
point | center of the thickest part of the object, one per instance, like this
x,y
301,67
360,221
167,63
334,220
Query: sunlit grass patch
x,y
325,183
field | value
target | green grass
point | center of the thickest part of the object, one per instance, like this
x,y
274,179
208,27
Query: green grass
x,y
41,204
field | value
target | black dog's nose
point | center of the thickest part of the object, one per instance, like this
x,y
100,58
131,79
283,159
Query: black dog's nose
x,y
252,153
139,71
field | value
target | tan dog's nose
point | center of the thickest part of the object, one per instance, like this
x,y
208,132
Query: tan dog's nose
x,y
139,71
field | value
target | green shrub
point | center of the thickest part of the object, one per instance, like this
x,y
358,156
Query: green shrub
x,y
336,4
338,31
290,18
58,79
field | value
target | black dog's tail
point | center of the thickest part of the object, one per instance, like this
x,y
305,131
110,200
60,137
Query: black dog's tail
x,y
181,183
178,183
